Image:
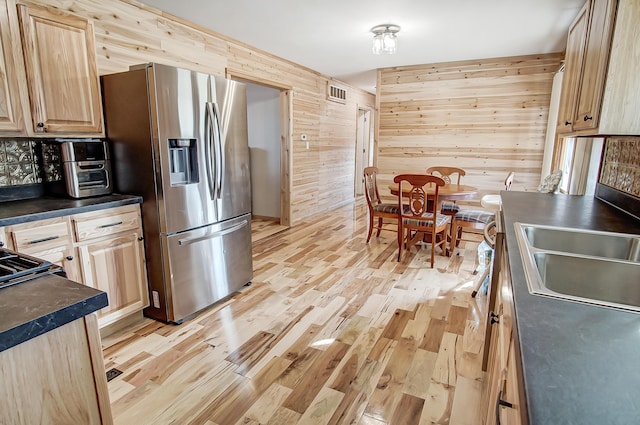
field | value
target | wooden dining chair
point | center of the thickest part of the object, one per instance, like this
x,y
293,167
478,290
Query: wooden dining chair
x,y
378,211
476,219
492,201
417,222
449,175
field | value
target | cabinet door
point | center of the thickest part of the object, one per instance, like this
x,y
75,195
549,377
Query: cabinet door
x,y
594,69
60,61
572,70
116,266
65,258
11,118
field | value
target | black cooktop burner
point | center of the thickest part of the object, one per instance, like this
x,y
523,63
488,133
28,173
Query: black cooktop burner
x,y
16,268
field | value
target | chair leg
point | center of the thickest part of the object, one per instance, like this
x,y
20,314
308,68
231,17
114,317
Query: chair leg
x,y
370,227
379,227
400,241
453,237
433,245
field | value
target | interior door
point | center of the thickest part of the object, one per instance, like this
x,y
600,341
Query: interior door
x,y
362,149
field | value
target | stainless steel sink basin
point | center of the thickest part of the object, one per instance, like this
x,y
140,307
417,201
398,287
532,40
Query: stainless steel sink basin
x,y
599,281
584,242
599,268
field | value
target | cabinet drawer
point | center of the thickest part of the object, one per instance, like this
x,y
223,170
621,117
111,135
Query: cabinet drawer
x,y
40,238
91,228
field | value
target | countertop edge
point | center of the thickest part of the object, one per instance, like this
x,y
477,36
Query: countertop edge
x,y
70,301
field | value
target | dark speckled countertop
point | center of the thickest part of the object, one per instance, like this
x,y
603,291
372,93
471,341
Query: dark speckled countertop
x,y
581,363
14,212
40,305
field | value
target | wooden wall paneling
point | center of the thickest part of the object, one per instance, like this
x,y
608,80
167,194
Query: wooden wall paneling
x,y
486,116
130,33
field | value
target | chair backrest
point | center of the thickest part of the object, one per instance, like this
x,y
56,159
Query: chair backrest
x,y
509,181
551,182
446,173
418,199
371,186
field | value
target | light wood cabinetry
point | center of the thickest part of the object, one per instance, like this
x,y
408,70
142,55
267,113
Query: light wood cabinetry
x,y
11,116
112,255
55,59
503,396
49,240
103,249
56,378
600,85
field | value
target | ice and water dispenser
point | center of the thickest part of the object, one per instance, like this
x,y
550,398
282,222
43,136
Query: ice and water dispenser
x,y
183,161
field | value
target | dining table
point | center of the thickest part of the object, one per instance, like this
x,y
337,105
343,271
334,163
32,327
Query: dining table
x,y
450,191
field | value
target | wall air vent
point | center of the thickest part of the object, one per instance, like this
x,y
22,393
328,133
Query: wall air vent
x,y
336,93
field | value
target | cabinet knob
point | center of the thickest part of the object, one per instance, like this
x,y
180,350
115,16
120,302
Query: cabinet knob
x,y
567,123
494,318
40,127
1,244
69,257
140,238
587,118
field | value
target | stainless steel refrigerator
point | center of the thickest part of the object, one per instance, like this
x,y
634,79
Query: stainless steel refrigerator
x,y
179,139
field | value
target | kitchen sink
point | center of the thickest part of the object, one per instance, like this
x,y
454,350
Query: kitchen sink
x,y
600,268
620,246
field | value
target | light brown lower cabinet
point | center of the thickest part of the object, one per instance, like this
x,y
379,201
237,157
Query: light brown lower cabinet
x,y
56,378
103,249
116,266
503,393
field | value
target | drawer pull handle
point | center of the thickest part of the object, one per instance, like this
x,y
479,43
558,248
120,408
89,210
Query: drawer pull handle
x,y
50,238
69,257
494,318
587,118
117,223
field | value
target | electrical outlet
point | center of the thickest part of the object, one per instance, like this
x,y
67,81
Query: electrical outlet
x,y
156,299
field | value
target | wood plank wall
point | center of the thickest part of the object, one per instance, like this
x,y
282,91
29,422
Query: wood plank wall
x,y
129,33
488,117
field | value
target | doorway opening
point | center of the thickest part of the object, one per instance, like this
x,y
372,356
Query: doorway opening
x,y
269,123
364,151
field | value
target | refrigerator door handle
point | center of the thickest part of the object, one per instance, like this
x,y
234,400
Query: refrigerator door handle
x,y
189,241
209,149
220,152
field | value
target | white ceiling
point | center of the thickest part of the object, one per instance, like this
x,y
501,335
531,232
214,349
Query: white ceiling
x,y
333,38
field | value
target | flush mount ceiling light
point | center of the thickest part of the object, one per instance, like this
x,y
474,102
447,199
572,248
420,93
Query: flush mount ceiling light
x,y
384,39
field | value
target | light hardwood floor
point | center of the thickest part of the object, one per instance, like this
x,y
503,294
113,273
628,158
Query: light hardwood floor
x,y
332,331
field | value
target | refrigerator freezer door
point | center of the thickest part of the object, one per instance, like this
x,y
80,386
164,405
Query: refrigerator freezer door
x,y
208,264
178,114
232,167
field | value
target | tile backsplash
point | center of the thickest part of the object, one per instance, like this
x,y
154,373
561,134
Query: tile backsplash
x,y
621,165
19,162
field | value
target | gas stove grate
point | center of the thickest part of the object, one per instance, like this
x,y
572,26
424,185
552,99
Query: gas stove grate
x,y
19,266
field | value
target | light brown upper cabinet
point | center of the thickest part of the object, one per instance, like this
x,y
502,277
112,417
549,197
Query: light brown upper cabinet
x,y
11,116
600,85
62,76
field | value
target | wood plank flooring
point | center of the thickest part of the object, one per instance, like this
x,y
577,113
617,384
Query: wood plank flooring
x,y
332,331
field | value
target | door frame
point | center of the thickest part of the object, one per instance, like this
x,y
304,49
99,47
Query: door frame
x,y
286,137
365,144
